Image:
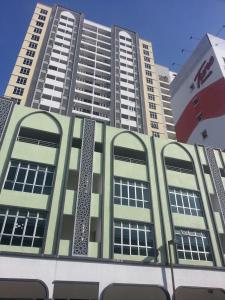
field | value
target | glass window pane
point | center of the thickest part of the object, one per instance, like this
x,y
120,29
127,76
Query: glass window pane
x,y
16,240
143,251
124,191
126,250
139,193
19,226
27,242
37,189
126,236
172,199
30,227
28,188
30,176
141,238
146,194
40,178
179,200
116,200
8,185
2,218
18,187
149,239
117,190
131,192
117,236
134,250
9,225
133,237
12,173
21,175
5,240
185,200
37,242
117,249
49,179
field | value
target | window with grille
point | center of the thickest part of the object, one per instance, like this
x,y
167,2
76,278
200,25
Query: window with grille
x,y
35,37
147,66
151,97
150,88
40,17
33,45
18,91
156,134
25,71
154,125
131,192
153,115
185,202
30,53
149,80
148,73
44,11
27,61
132,238
41,24
193,245
29,177
37,30
152,105
19,227
21,80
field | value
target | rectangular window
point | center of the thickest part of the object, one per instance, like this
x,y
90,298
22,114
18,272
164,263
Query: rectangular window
x,y
148,66
33,45
25,71
44,11
148,73
153,115
40,24
151,97
185,202
154,125
29,177
18,91
193,245
149,80
27,61
40,17
30,53
37,30
146,59
21,80
156,134
152,105
20,227
150,88
131,193
35,37
145,46
131,238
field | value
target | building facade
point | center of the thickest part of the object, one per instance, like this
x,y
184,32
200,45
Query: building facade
x,y
198,95
73,66
165,78
90,211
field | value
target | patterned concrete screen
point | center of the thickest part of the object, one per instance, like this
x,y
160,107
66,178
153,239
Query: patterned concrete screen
x,y
82,214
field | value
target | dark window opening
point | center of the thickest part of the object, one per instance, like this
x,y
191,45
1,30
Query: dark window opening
x,y
72,181
39,137
77,143
179,165
129,155
204,134
98,147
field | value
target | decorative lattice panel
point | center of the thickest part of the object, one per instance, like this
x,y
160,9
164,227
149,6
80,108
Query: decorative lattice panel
x,y
217,180
82,214
5,108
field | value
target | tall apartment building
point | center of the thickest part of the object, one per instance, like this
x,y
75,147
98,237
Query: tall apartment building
x,y
90,211
73,66
198,95
166,76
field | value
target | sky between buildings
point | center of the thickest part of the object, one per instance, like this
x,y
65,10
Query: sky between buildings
x,y
168,24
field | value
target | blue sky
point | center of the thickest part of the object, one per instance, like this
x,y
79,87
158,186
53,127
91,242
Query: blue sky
x,y
167,23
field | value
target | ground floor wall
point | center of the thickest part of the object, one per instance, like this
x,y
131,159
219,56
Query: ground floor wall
x,y
106,274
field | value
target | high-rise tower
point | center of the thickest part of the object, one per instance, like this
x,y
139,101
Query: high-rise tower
x,y
72,66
